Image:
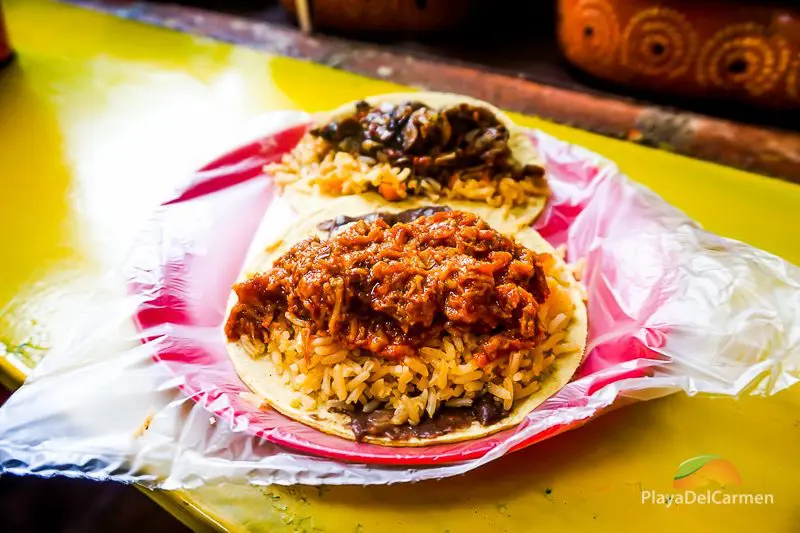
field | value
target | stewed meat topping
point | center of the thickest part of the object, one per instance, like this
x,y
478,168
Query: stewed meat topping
x,y
460,141
388,288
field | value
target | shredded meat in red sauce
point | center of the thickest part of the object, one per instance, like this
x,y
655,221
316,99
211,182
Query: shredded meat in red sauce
x,y
387,289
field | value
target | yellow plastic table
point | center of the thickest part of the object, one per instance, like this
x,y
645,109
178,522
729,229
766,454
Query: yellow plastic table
x,y
100,118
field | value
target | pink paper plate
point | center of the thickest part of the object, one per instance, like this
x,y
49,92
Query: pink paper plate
x,y
188,258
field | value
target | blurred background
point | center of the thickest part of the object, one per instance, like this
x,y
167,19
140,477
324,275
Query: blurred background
x,y
734,59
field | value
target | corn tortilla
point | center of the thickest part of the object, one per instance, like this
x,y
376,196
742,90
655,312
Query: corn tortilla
x,y
261,376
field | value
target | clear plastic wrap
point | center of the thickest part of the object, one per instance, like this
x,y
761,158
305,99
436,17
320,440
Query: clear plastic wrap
x,y
144,392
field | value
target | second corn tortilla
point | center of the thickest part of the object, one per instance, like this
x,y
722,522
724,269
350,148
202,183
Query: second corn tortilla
x,y
307,199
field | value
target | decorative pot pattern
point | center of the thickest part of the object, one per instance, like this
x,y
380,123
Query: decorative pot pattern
x,y
714,49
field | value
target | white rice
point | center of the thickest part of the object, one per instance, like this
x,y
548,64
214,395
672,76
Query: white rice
x,y
313,161
443,372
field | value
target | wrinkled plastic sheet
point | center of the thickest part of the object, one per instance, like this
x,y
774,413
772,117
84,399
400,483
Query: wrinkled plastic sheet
x,y
143,390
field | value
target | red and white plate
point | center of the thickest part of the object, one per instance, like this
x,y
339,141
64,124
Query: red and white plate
x,y
188,258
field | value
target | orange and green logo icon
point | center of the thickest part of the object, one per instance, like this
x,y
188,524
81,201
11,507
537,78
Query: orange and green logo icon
x,y
706,472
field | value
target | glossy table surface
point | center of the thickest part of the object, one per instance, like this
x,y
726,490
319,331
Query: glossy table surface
x,y
100,118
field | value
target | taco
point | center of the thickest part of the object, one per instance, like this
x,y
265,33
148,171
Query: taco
x,y
406,328
420,148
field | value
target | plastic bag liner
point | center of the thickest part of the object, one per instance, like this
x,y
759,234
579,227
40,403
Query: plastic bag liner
x,y
143,391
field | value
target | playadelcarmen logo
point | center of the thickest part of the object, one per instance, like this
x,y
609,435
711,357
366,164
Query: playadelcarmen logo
x,y
706,480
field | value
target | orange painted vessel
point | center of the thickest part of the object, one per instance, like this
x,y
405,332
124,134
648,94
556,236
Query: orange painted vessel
x,y
738,50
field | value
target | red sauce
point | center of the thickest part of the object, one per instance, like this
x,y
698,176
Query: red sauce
x,y
389,288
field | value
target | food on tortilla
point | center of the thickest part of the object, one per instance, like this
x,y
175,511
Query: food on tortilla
x,y
417,146
406,329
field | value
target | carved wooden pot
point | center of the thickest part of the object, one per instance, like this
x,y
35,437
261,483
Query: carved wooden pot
x,y
740,50
386,15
